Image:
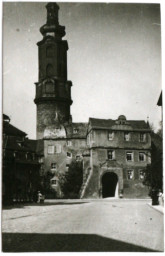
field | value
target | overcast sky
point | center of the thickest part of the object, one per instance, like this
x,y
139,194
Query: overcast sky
x,y
114,60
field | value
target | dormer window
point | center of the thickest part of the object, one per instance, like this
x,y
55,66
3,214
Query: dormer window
x,y
126,136
110,135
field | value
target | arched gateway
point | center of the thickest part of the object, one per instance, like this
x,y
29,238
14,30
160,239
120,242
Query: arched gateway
x,y
109,184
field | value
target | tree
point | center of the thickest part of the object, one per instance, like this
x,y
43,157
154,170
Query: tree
x,y
71,181
154,172
47,189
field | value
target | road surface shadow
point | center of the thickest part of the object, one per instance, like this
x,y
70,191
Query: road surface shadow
x,y
22,205
26,242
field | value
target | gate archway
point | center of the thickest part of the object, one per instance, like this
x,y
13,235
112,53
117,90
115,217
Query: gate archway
x,y
109,184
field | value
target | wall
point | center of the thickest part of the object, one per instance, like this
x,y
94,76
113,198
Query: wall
x,y
61,159
100,164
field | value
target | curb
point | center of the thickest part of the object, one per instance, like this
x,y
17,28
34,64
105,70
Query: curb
x,y
158,208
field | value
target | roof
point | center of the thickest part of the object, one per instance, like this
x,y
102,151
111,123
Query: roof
x,y
76,130
33,146
112,124
9,129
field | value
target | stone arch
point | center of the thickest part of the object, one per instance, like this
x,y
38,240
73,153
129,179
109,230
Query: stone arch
x,y
109,182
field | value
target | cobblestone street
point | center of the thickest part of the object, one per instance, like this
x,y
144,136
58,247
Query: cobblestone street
x,y
83,225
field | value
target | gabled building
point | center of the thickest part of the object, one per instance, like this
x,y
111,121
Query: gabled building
x,y
114,152
119,151
22,164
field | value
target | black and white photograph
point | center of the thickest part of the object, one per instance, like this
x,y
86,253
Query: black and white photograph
x,y
82,127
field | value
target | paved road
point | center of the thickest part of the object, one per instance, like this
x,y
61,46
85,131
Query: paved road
x,y
89,226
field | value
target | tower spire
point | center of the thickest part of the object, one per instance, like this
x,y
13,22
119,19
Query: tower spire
x,y
52,26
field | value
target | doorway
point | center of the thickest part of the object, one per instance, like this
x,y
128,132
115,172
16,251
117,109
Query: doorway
x,y
109,184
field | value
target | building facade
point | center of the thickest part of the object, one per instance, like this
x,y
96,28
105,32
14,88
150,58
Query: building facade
x,y
22,165
114,152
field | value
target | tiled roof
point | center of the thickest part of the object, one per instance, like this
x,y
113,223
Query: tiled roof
x,y
9,129
109,123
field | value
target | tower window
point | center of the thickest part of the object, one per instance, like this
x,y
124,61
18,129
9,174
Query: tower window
x,y
110,135
130,174
129,156
50,149
49,51
111,154
142,157
126,136
49,70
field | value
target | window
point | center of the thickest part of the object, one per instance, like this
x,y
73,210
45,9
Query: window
x,y
129,156
50,149
141,174
58,149
142,137
54,182
69,155
130,174
69,143
111,154
78,158
142,157
110,135
53,166
75,130
126,136
67,166
15,154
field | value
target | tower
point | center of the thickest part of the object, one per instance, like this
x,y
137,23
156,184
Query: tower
x,y
53,90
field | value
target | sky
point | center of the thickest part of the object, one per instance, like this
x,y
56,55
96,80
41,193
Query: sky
x,y
114,60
